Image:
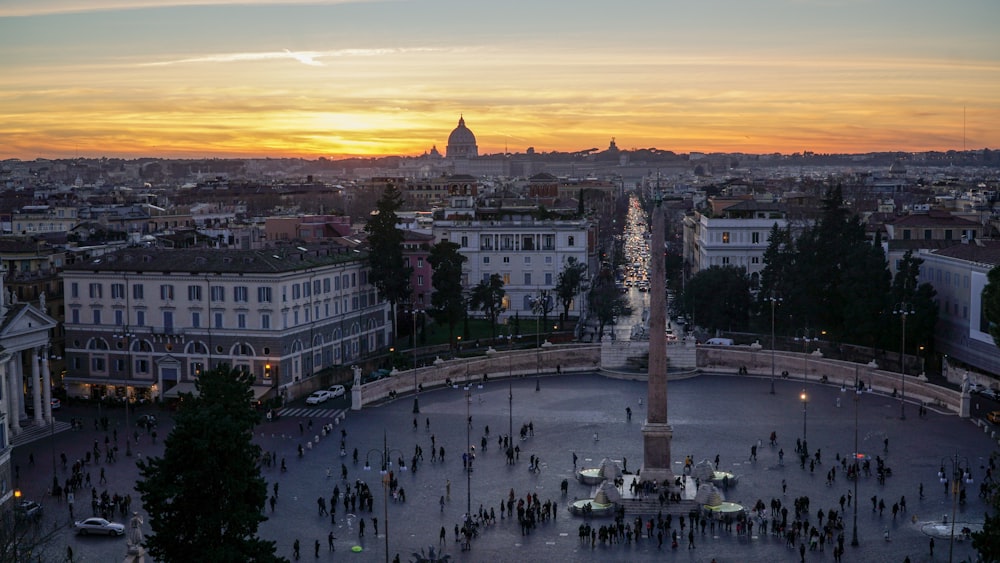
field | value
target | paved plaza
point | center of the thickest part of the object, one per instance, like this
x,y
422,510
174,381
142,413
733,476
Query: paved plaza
x,y
711,415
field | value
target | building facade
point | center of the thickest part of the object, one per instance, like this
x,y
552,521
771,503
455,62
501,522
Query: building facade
x,y
143,323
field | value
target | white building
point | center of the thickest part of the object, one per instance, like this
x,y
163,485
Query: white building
x,y
142,321
527,253
738,237
958,273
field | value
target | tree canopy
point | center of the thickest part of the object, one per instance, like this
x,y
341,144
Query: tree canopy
x,y
448,299
205,495
719,298
991,303
388,270
569,284
487,296
606,301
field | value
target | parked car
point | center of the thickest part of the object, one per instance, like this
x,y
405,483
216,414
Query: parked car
x,y
318,397
28,510
56,404
30,407
336,391
146,421
994,417
98,526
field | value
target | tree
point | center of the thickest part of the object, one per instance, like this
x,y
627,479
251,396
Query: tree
x,y
570,281
991,303
919,297
448,298
606,301
719,298
487,296
205,496
27,539
389,274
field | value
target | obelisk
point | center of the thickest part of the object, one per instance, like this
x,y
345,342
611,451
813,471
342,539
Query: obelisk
x,y
656,432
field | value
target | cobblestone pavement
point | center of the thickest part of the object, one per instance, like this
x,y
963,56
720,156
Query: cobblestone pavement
x,y
711,415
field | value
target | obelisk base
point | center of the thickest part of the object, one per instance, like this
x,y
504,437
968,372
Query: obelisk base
x,y
656,452
135,554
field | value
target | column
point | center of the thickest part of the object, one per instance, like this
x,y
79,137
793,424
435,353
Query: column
x,y
46,385
17,368
36,387
13,390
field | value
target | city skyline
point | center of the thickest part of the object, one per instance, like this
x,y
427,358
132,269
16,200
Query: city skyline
x,y
257,78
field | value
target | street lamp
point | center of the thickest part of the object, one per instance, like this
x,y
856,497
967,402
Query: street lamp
x,y
805,401
805,351
416,389
510,409
386,464
857,400
538,306
126,337
960,476
903,310
468,452
774,301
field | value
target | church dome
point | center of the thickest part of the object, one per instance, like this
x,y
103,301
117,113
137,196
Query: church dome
x,y
462,142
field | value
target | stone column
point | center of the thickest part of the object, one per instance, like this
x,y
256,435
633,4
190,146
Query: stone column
x,y
656,432
14,391
36,387
46,384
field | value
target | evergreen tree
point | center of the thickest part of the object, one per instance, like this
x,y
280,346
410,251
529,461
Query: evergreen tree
x,y
448,299
987,540
388,272
487,296
920,298
205,495
571,279
719,298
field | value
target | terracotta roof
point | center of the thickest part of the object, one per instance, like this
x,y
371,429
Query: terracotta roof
x,y
987,253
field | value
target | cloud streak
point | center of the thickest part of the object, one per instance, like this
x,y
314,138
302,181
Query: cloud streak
x,y
310,58
25,8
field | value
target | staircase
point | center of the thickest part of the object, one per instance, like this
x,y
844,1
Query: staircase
x,y
650,506
37,432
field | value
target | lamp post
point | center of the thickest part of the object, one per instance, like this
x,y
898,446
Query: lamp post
x,y
126,338
774,301
903,310
468,452
805,352
416,389
960,476
805,401
386,464
857,400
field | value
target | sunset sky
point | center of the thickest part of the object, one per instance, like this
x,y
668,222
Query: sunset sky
x,y
187,78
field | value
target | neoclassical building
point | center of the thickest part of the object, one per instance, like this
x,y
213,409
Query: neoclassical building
x,y
462,142
25,378
145,322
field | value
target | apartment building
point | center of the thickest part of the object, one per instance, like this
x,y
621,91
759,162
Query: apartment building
x,y
737,235
144,322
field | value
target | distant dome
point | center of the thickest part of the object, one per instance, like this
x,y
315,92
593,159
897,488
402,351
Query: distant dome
x,y
462,142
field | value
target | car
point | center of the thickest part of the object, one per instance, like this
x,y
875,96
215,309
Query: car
x,y
28,510
336,391
146,421
318,397
98,526
56,404
994,417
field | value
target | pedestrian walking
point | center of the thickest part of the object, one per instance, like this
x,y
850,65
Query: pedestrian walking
x,y
932,547
295,549
574,460
361,528
329,540
317,549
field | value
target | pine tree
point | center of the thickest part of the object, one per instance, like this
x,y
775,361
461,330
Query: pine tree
x,y
205,495
389,273
448,298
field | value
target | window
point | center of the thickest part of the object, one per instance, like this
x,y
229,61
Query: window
x,y
336,283
755,238
486,259
527,260
420,262
97,316
74,290
75,316
265,321
571,241
218,320
195,319
527,278
263,294
142,366
326,285
406,262
194,293
295,317
548,278
927,234
241,320
420,281
120,365
137,291
118,291
548,259
296,291
140,318
506,278
725,260
755,259
97,364
906,234
241,294
465,242
167,292
305,289
506,259
317,284
725,237
218,293
95,291
168,322
947,234
119,318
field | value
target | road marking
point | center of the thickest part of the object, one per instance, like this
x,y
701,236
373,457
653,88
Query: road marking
x,y
311,413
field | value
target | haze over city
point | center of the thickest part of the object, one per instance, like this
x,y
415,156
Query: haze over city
x,y
253,78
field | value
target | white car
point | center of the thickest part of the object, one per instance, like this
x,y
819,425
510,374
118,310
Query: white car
x,y
99,526
336,391
318,397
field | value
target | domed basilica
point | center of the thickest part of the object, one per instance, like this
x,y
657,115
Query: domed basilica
x,y
462,142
